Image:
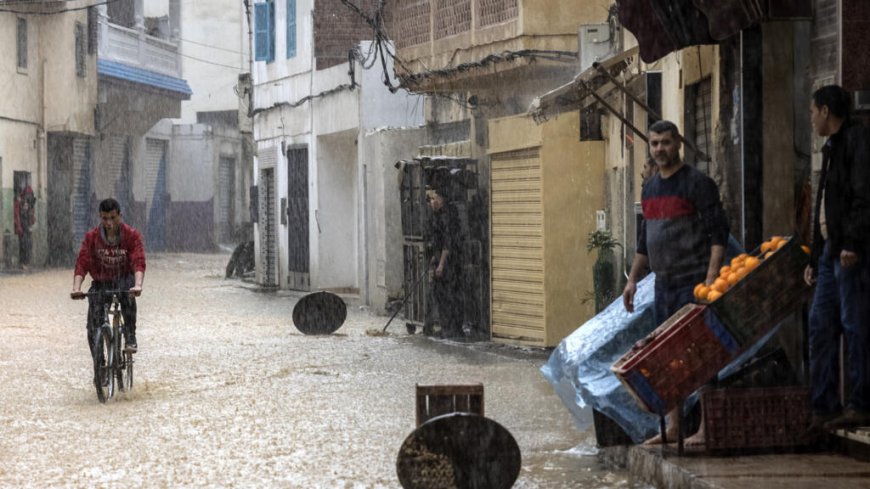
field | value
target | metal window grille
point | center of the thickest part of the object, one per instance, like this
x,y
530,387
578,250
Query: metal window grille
x,y
452,17
93,30
413,23
492,12
81,47
22,43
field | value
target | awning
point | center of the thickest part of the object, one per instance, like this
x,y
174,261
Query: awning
x,y
578,93
664,26
176,87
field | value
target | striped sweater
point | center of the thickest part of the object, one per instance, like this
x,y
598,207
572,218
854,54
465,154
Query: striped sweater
x,y
683,218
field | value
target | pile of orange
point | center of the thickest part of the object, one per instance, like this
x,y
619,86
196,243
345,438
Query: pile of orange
x,y
739,267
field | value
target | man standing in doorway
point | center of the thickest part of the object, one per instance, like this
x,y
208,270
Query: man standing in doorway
x,y
25,217
444,232
682,238
114,255
840,265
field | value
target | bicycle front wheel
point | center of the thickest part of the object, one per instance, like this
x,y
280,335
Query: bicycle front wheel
x,y
125,371
104,362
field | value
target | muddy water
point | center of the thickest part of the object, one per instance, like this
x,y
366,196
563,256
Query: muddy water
x,y
229,394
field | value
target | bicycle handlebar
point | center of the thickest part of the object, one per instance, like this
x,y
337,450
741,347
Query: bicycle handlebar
x,y
104,293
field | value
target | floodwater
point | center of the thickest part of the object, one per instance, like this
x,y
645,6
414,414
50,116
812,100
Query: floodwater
x,y
229,394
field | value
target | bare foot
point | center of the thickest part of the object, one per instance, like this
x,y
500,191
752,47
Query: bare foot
x,y
657,440
697,440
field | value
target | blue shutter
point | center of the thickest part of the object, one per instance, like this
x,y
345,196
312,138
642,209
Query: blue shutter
x,y
271,31
291,28
261,32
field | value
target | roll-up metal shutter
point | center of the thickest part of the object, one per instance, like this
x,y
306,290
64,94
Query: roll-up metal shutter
x,y
517,245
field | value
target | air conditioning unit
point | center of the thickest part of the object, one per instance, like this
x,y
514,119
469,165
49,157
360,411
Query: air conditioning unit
x,y
861,100
595,44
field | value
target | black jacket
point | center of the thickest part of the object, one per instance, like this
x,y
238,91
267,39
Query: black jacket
x,y
845,182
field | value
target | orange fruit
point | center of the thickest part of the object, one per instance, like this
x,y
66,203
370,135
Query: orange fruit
x,y
703,292
775,240
720,285
806,249
697,290
732,278
766,246
751,263
714,294
768,254
781,243
724,271
741,272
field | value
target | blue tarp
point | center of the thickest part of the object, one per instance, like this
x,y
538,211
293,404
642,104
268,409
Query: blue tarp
x,y
579,368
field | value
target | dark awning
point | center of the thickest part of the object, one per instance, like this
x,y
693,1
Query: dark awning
x,y
664,26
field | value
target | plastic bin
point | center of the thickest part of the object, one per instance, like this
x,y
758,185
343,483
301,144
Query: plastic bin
x,y
766,296
678,357
754,418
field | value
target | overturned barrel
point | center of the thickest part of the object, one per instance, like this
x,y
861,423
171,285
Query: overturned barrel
x,y
319,313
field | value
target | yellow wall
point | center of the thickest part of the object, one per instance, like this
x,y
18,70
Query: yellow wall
x,y
572,190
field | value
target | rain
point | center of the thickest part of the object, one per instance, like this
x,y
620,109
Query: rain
x,y
432,243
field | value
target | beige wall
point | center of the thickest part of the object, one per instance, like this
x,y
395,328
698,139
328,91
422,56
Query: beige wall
x,y
212,63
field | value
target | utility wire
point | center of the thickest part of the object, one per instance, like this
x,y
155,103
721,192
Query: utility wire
x,y
212,62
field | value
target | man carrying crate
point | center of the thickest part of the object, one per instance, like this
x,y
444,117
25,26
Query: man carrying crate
x,y
840,266
682,238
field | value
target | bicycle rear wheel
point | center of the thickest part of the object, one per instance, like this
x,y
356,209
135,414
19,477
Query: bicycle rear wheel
x,y
104,362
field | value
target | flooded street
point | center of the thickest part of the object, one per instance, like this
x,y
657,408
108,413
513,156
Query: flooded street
x,y
229,394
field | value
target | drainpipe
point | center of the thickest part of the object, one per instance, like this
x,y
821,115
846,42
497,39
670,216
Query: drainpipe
x,y
742,152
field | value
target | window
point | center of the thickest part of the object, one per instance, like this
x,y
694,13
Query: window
x,y
22,43
264,21
291,29
81,47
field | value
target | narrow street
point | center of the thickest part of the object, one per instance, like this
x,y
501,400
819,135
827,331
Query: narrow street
x,y
229,394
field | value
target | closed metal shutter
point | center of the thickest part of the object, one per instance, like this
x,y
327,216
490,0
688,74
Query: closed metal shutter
x,y
268,225
155,193
81,191
517,245
118,170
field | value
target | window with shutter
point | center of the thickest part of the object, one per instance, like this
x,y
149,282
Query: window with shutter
x,y
264,31
291,29
81,46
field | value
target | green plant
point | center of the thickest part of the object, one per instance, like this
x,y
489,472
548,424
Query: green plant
x,y
603,278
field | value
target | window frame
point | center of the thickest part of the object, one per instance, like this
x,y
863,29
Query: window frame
x,y
264,31
291,29
81,48
21,44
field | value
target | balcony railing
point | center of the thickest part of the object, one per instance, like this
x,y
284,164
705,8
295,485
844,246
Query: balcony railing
x,y
415,18
134,47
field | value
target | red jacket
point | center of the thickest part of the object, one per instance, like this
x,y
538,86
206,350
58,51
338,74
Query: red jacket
x,y
105,262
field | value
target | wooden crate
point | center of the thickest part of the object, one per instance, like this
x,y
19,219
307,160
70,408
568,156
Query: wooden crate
x,y
435,400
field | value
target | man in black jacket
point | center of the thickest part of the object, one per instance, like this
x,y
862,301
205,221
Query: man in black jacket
x,y
840,265
445,240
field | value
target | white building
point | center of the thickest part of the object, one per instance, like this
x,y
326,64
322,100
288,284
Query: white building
x,y
320,165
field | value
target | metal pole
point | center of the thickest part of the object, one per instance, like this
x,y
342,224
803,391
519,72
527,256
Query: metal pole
x,y
615,112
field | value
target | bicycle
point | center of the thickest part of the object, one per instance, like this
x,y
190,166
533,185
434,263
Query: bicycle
x,y
112,362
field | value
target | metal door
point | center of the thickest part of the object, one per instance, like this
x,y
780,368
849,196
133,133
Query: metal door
x,y
298,277
226,198
268,241
83,218
155,174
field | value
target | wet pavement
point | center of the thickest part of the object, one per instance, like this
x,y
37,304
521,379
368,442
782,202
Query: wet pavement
x,y
229,394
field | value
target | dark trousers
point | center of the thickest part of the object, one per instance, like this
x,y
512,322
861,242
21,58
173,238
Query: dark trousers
x,y
96,302
670,298
447,294
841,306
25,248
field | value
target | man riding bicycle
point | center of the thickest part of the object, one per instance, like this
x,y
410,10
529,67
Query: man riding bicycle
x,y
114,255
